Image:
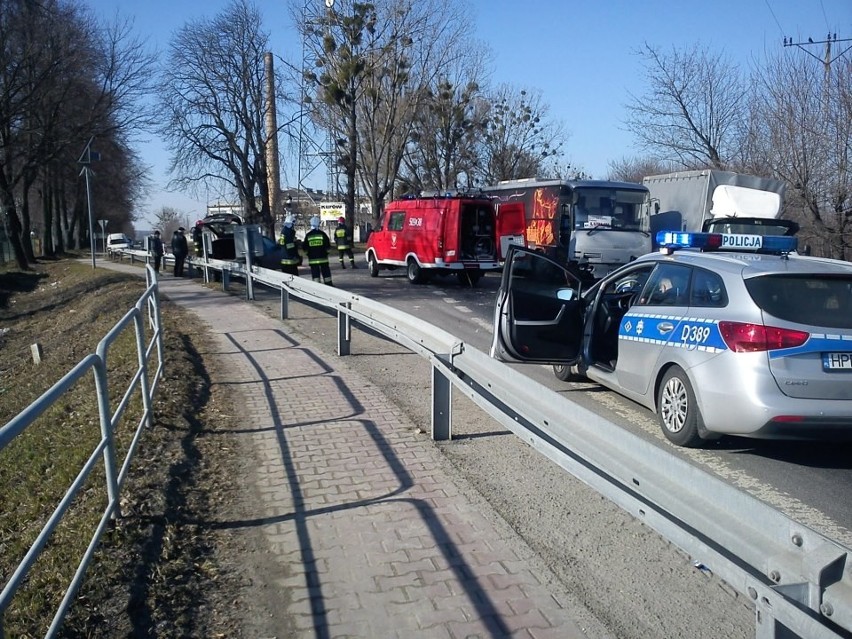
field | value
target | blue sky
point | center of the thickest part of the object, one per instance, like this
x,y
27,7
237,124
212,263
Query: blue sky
x,y
581,55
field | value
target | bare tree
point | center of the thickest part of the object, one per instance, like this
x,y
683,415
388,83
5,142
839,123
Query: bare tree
x,y
803,129
694,110
168,219
442,146
62,81
428,40
374,64
634,169
214,109
343,43
519,137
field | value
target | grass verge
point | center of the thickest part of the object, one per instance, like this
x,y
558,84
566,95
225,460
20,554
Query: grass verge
x,y
157,570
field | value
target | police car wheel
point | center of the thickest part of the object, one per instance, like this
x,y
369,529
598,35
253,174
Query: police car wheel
x,y
568,373
373,266
677,409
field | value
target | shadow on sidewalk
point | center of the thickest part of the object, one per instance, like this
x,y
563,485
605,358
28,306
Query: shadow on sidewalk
x,y
301,515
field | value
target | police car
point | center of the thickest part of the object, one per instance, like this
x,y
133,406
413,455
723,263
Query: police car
x,y
716,333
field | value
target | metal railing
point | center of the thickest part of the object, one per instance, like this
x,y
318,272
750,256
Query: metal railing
x,y
797,578
146,308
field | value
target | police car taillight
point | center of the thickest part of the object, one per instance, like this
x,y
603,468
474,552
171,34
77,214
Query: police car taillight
x,y
742,337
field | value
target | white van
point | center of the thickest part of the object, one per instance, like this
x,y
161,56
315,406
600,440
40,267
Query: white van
x,y
118,242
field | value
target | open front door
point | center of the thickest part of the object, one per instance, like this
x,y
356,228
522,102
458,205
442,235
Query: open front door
x,y
511,224
538,317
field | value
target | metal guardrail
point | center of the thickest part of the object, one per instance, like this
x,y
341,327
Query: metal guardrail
x,y
798,580
147,306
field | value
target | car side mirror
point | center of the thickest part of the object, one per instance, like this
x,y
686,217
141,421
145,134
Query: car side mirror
x,y
566,294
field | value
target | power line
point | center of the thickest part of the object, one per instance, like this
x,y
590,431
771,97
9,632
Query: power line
x,y
822,6
774,17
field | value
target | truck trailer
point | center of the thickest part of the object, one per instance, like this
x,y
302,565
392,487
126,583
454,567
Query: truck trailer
x,y
591,226
697,200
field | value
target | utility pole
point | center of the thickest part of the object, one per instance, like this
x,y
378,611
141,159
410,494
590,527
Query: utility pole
x,y
273,173
827,60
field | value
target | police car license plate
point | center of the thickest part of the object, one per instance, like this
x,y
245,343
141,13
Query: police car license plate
x,y
837,361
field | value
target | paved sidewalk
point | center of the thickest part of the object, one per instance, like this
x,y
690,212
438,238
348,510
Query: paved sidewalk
x,y
373,537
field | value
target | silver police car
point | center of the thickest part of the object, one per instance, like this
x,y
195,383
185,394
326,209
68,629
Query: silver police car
x,y
716,333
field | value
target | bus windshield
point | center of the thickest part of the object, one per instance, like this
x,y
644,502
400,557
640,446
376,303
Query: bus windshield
x,y
609,209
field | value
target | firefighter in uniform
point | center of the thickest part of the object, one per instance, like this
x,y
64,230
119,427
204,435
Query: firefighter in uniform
x,y
196,238
290,257
317,245
343,241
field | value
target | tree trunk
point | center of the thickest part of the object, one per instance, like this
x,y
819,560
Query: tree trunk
x,y
79,223
26,227
13,223
47,248
376,206
352,164
58,213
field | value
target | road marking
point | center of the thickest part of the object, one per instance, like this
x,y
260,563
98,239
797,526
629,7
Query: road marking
x,y
481,323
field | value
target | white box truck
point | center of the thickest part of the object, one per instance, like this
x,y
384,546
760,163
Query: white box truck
x,y
716,200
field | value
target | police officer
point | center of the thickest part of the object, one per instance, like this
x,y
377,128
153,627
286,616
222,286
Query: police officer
x,y
290,256
343,241
317,246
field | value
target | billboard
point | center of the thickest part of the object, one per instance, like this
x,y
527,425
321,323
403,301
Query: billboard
x,y
330,211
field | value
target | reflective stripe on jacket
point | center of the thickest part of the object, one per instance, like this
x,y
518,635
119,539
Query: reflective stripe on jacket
x,y
316,245
342,237
288,241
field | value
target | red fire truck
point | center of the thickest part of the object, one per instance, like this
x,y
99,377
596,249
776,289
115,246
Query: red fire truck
x,y
441,235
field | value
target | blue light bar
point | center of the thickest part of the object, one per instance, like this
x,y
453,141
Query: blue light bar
x,y
676,239
780,243
671,240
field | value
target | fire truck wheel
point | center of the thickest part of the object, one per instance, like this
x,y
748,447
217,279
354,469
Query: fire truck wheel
x,y
373,265
414,272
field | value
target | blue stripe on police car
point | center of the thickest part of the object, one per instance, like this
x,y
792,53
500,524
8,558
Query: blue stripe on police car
x,y
679,332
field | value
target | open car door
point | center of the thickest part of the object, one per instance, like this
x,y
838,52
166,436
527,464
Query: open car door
x,y
538,316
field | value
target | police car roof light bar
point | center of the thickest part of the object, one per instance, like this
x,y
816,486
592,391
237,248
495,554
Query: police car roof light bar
x,y
780,243
669,241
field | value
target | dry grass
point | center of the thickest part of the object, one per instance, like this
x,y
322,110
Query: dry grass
x,y
156,572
